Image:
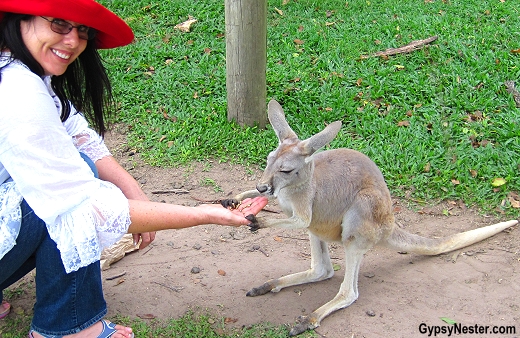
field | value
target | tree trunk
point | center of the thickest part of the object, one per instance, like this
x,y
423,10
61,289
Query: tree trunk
x,y
246,57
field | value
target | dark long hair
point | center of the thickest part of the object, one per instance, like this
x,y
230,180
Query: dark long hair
x,y
85,83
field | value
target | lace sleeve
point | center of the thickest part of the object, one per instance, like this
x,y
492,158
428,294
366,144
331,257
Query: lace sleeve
x,y
10,216
91,144
79,242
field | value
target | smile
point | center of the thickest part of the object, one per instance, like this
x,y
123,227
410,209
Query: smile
x,y
61,55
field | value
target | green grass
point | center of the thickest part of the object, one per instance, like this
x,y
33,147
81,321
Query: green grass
x,y
187,326
462,126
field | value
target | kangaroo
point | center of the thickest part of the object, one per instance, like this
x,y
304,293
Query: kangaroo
x,y
338,195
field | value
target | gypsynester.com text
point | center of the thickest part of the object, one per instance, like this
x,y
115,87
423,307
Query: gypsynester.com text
x,y
460,329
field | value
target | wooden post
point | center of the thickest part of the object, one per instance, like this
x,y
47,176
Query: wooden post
x,y
246,57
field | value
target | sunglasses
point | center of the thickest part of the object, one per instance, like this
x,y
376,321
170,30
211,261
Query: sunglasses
x,y
63,27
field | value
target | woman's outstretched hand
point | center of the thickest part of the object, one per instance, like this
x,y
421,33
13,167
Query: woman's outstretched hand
x,y
236,216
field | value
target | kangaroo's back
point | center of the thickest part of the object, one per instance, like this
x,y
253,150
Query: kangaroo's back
x,y
346,180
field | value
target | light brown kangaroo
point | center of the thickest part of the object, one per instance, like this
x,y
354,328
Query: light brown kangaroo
x,y
338,196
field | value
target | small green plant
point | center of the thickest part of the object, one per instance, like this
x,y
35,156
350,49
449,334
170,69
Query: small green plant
x,y
210,182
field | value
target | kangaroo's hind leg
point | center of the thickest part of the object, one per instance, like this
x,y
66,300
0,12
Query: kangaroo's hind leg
x,y
347,294
321,269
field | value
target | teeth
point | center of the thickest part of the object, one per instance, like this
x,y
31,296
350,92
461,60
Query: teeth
x,y
61,55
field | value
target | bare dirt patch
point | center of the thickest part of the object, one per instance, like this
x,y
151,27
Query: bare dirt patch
x,y
212,267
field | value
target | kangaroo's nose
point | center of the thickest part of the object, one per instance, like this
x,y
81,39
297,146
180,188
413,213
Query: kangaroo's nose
x,y
262,188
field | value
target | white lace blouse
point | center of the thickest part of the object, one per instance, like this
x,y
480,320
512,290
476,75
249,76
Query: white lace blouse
x,y
83,214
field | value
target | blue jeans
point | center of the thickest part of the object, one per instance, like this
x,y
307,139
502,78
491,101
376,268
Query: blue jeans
x,y
65,303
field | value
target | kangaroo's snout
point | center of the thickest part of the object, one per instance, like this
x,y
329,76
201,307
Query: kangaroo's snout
x,y
262,188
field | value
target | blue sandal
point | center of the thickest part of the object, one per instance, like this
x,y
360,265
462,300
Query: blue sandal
x,y
109,329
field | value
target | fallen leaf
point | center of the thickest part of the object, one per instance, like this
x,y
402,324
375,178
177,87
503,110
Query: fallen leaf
x,y
278,11
336,267
228,320
427,167
403,123
146,316
298,41
221,272
455,182
473,173
514,199
278,239
448,320
207,50
186,25
497,182
515,51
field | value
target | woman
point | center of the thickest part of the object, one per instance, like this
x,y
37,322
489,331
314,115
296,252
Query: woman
x,y
63,198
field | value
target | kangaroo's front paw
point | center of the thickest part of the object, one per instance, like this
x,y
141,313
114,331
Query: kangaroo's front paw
x,y
230,203
254,225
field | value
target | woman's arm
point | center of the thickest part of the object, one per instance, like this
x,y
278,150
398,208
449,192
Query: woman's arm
x,y
110,170
147,217
153,216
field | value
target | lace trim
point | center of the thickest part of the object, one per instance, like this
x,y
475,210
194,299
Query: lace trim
x,y
81,234
91,144
10,216
80,243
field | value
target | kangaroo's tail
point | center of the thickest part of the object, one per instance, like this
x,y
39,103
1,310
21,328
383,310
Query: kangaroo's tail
x,y
404,241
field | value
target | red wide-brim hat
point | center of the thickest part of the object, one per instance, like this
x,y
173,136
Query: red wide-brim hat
x,y
112,30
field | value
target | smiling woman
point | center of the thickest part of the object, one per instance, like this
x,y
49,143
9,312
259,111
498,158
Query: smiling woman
x,y
63,197
51,48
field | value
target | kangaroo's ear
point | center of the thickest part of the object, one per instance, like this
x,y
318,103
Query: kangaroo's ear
x,y
277,119
319,140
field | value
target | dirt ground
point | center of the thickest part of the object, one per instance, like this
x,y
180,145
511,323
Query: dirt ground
x,y
212,267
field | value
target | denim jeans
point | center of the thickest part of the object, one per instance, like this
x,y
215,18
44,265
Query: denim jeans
x,y
65,303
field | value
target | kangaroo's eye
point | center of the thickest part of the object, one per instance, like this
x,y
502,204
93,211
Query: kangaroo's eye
x,y
286,171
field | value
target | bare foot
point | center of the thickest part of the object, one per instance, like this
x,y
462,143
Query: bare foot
x,y
95,330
